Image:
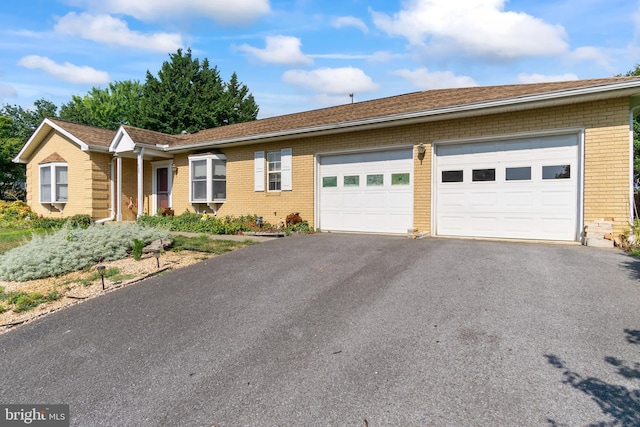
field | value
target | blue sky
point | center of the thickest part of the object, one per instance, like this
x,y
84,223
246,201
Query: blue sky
x,y
301,55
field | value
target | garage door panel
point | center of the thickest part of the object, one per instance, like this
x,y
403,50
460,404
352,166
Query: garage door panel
x,y
526,206
373,204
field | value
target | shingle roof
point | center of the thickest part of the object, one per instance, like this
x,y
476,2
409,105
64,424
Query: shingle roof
x,y
90,135
424,101
52,158
407,103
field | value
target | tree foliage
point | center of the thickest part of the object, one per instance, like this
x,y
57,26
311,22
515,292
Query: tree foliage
x,y
108,108
635,71
189,95
12,175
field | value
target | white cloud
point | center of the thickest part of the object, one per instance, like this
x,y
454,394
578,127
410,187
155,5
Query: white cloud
x,y
67,71
279,50
384,56
236,12
541,78
350,21
115,32
477,27
332,80
592,54
423,79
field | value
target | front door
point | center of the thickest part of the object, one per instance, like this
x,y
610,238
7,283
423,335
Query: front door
x,y
162,187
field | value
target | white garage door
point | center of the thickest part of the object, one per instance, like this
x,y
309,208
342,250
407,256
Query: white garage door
x,y
366,192
526,189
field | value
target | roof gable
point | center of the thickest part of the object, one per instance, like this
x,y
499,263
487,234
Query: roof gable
x,y
53,158
87,138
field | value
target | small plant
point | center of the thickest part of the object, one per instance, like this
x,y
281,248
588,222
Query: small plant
x,y
24,301
2,309
136,249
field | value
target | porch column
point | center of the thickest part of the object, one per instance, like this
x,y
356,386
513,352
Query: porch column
x,y
119,208
140,181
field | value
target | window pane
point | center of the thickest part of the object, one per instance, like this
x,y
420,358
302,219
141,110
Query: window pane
x,y
452,176
375,180
219,168
329,181
483,175
352,181
518,174
273,161
61,175
62,193
199,169
274,181
220,190
399,179
45,184
199,190
556,172
45,176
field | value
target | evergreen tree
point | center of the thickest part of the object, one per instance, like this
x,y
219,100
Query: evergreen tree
x,y
189,95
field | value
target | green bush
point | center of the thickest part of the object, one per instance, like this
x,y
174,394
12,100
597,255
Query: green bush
x,y
72,249
198,223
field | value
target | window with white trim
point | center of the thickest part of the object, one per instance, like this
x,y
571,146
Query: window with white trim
x,y
208,178
278,170
54,183
274,170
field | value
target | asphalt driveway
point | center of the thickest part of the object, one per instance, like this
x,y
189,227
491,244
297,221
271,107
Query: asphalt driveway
x,y
336,329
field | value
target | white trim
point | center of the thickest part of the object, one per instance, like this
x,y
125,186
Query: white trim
x,y
154,182
208,158
47,122
579,132
140,168
119,185
52,166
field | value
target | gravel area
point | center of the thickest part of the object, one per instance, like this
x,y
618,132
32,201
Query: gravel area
x,y
74,292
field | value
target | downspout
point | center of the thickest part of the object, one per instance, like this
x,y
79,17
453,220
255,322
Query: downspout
x,y
632,202
112,188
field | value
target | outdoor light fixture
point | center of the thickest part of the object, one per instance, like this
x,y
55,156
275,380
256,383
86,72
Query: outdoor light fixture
x,y
101,269
422,150
259,222
156,253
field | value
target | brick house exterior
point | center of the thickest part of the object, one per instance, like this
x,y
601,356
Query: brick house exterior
x,y
118,175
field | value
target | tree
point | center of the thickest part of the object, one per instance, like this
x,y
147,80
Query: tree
x,y
189,95
636,133
12,175
107,108
24,122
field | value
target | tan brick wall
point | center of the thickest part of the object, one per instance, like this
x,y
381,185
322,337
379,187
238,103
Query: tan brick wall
x,y
606,160
606,178
79,166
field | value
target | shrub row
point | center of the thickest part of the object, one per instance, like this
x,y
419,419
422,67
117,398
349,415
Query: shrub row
x,y
71,249
198,223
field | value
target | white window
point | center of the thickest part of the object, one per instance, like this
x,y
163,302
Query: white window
x,y
208,178
54,183
274,170
278,171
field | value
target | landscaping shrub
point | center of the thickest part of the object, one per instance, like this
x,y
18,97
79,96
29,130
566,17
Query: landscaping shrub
x,y
137,246
201,223
72,249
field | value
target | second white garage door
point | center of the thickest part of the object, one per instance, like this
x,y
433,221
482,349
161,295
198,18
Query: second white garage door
x,y
525,188
366,192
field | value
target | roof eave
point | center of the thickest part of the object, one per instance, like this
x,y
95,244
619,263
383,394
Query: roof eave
x,y
458,111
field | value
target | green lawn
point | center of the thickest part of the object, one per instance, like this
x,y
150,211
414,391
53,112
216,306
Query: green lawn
x,y
12,237
203,243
